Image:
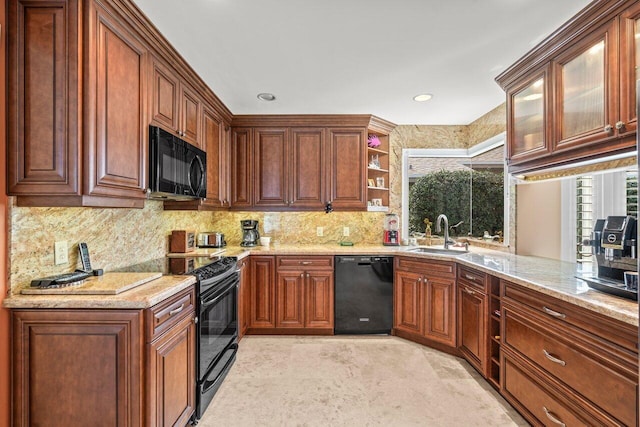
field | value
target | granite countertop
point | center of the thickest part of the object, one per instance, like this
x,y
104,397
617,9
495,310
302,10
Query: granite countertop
x,y
140,297
550,277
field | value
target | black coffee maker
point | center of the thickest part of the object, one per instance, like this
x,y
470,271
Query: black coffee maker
x,y
614,246
250,235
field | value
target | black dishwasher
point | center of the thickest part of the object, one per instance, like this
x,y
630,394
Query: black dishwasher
x,y
363,294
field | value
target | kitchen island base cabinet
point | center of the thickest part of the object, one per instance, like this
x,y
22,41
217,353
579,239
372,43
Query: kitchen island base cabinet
x,y
425,302
89,367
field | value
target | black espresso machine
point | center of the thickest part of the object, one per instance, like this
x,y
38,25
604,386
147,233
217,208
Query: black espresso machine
x,y
615,249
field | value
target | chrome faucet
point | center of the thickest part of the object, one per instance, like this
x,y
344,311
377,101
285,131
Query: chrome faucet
x,y
447,240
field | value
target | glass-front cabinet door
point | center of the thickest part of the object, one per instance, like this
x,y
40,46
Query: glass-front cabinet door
x,y
586,90
629,68
528,124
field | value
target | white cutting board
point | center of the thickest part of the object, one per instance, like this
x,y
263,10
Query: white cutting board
x,y
107,284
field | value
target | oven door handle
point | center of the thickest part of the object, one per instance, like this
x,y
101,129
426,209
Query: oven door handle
x,y
208,385
212,301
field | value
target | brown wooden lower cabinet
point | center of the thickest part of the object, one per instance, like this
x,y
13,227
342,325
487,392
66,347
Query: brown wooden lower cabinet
x,y
171,376
541,402
104,367
244,298
472,331
291,295
262,282
425,302
591,358
473,318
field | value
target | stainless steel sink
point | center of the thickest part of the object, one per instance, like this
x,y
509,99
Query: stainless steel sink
x,y
438,250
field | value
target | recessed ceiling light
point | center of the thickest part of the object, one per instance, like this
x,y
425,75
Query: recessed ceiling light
x,y
266,97
422,97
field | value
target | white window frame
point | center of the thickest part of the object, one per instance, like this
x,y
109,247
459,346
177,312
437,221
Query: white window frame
x,y
490,144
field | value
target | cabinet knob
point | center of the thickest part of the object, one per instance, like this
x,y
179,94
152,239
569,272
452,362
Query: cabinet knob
x,y
620,125
307,275
608,128
147,191
302,275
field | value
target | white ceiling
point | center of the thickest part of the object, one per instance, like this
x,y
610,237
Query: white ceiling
x,y
358,56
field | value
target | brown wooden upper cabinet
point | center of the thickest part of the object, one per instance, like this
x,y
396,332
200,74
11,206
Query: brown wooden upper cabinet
x,y
573,96
85,79
48,120
175,106
348,182
300,162
215,135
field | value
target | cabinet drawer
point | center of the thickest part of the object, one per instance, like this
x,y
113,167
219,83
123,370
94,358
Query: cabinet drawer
x,y
563,313
164,315
304,262
473,278
542,403
582,366
424,266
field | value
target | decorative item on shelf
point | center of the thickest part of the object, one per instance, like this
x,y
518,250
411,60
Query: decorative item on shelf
x,y
373,141
380,182
375,162
376,202
371,182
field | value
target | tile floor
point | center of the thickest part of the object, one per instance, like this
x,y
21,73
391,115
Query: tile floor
x,y
353,381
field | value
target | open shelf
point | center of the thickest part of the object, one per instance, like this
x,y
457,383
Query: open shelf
x,y
379,172
494,331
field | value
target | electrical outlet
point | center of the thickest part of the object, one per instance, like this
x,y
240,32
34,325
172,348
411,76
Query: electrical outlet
x,y
345,231
319,231
60,251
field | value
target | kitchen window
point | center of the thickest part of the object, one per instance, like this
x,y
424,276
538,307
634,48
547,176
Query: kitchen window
x,y
586,198
486,156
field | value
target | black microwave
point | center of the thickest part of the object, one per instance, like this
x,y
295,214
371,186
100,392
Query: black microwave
x,y
177,169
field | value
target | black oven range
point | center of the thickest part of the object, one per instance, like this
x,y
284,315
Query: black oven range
x,y
217,317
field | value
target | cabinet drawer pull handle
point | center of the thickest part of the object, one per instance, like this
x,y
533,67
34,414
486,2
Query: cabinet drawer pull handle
x,y
553,358
553,417
469,291
554,313
608,128
469,277
306,262
620,125
176,310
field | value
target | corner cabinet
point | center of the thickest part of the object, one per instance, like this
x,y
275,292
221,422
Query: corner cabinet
x,y
105,367
378,173
573,96
425,302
